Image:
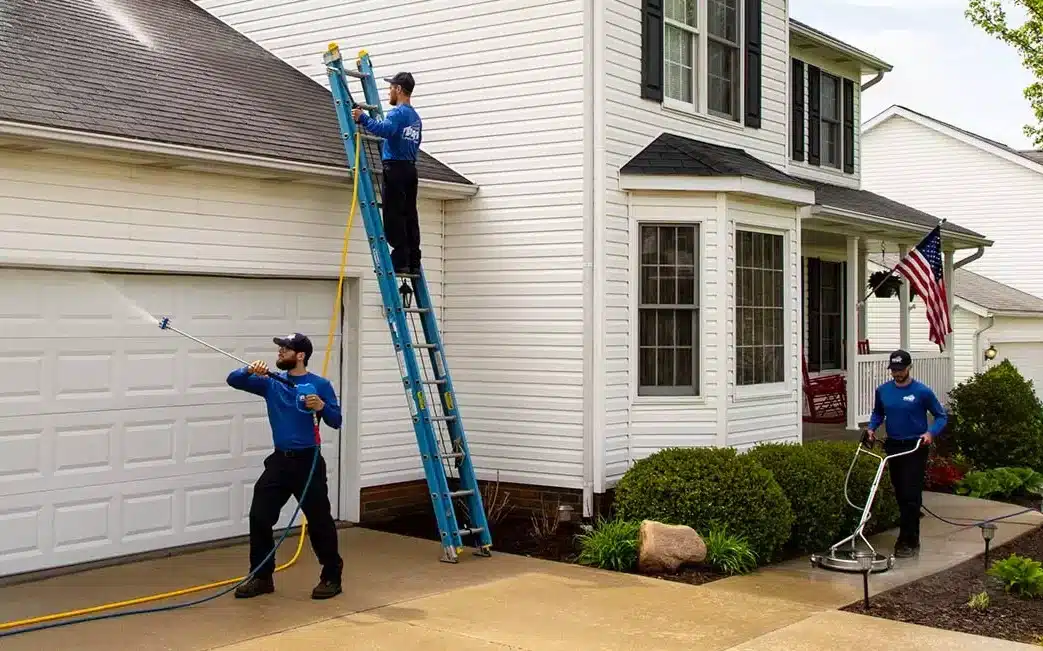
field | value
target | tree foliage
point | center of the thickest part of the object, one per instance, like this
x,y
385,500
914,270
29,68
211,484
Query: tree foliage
x,y
1027,39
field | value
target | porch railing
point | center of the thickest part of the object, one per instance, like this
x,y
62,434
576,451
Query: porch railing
x,y
931,368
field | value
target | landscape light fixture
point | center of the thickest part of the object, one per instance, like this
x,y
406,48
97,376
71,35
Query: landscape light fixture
x,y
865,560
988,532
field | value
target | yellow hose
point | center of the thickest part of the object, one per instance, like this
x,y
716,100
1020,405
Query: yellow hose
x,y
304,522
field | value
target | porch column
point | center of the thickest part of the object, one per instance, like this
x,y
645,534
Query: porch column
x,y
950,282
903,303
863,280
851,322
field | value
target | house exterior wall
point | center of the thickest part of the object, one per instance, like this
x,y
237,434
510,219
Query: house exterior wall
x,y
799,164
938,174
499,86
68,212
722,413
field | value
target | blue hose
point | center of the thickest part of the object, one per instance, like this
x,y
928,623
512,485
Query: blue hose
x,y
160,609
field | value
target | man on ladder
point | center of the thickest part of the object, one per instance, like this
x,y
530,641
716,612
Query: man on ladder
x,y
402,131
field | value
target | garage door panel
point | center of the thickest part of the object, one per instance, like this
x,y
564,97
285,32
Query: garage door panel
x,y
117,437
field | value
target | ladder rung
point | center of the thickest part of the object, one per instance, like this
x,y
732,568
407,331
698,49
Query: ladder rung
x,y
366,107
417,310
453,455
425,346
462,493
370,137
470,532
356,74
438,382
444,419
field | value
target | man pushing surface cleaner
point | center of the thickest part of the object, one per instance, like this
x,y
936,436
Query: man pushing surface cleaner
x,y
286,469
402,131
905,403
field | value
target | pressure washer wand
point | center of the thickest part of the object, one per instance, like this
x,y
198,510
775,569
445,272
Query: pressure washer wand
x,y
164,324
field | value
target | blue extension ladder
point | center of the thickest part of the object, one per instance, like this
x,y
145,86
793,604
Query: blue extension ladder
x,y
400,315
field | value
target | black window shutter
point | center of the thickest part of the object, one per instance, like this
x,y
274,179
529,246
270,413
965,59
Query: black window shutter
x,y
652,50
814,315
849,126
753,64
814,125
797,108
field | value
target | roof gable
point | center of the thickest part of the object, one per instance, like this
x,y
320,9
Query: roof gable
x,y
167,71
1032,160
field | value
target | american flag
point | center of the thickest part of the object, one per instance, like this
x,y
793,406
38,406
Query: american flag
x,y
922,267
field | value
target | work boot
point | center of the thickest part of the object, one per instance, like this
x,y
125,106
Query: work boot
x,y
255,587
906,550
326,589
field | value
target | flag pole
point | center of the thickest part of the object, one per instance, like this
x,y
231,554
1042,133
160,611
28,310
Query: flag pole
x,y
891,272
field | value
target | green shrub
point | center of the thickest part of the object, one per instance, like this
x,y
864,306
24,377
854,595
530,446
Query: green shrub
x,y
708,489
1020,576
611,545
997,420
814,488
729,554
1000,482
884,511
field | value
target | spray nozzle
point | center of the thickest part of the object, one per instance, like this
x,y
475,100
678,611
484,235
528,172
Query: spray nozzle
x,y
164,322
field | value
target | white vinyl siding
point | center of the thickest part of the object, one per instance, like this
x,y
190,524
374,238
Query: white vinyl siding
x,y
498,88
974,188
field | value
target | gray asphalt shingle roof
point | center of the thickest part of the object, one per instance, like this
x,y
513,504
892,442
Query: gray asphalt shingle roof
x,y
870,203
671,154
981,290
166,71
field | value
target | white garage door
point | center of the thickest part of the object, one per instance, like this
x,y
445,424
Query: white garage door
x,y
117,437
1027,357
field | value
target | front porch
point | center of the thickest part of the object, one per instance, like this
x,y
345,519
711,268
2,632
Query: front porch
x,y
842,366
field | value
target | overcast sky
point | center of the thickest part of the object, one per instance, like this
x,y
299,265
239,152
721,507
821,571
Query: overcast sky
x,y
944,65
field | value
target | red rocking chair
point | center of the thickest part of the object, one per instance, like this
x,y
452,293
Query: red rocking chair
x,y
826,397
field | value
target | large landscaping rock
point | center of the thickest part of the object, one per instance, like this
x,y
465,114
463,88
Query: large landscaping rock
x,y
666,547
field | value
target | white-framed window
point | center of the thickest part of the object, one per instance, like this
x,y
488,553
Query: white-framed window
x,y
830,117
668,310
703,56
760,312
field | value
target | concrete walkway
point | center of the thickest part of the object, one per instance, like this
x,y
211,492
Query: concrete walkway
x,y
398,596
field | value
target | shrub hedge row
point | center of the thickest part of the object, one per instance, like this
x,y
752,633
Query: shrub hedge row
x,y
782,498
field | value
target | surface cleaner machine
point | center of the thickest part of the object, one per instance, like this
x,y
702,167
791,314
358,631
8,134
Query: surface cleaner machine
x,y
846,555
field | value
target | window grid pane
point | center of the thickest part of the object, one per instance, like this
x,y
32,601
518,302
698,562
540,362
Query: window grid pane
x,y
668,310
760,314
679,64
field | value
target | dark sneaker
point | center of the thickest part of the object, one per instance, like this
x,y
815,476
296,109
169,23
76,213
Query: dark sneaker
x,y
255,587
326,589
905,550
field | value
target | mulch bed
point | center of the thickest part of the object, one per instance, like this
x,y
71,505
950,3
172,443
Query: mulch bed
x,y
518,535
940,600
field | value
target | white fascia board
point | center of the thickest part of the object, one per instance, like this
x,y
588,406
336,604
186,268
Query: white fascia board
x,y
732,184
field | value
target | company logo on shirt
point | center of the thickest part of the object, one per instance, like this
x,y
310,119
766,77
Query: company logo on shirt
x,y
909,398
411,133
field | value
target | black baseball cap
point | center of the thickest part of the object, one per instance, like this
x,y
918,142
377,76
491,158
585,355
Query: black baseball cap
x,y
297,343
899,360
403,79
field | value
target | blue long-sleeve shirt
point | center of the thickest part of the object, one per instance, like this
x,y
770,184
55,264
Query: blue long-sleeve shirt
x,y
905,409
292,429
401,129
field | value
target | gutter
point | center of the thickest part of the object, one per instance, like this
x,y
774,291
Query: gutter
x,y
884,221
969,259
873,82
86,138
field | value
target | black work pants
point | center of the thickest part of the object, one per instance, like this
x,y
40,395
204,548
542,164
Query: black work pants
x,y
285,474
401,221
907,476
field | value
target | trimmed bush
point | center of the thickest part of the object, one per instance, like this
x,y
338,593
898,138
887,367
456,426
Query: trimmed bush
x,y
814,487
708,489
884,512
997,420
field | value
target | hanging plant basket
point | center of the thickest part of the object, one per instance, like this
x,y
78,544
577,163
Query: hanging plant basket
x,y
886,285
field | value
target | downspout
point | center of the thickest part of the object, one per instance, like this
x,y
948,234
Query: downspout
x,y
977,344
588,263
600,199
874,81
969,259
